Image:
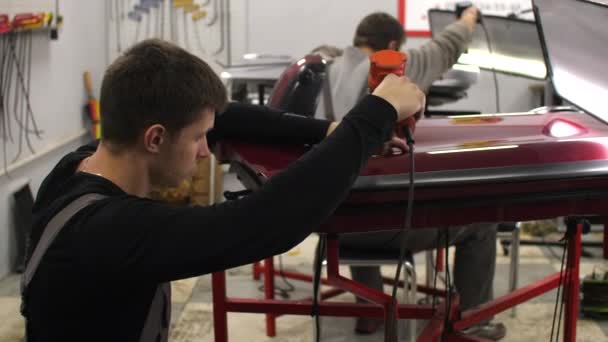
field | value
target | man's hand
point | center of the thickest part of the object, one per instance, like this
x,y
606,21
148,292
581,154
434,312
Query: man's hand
x,y
402,94
394,146
469,17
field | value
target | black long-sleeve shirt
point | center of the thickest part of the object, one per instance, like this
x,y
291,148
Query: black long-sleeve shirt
x,y
98,278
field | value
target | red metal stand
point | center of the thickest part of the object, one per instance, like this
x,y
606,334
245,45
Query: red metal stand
x,y
571,295
257,270
269,276
271,321
380,302
220,312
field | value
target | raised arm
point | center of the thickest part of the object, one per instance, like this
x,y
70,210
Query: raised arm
x,y
427,63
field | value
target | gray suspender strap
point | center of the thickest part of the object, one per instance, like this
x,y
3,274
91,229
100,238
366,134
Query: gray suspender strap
x,y
328,101
51,230
156,328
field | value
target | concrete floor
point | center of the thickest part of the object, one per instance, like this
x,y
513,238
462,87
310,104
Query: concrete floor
x,y
192,312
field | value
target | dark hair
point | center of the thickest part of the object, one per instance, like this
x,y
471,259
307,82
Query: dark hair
x,y
156,82
377,30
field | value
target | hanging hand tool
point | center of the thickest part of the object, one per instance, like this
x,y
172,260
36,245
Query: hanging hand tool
x,y
93,107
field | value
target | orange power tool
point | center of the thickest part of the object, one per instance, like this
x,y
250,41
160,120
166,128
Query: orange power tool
x,y
386,62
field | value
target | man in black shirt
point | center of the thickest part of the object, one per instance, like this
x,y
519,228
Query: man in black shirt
x,y
104,276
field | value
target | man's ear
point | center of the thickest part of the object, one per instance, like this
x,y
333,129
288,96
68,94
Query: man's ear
x,y
154,136
393,45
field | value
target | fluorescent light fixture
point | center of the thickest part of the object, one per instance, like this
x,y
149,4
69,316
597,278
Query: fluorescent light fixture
x,y
250,56
522,66
474,149
225,75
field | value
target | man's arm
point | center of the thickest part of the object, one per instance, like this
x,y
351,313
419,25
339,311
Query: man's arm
x,y
156,241
136,238
427,63
261,124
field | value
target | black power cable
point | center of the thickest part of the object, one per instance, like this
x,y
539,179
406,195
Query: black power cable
x,y
448,287
460,8
290,287
4,70
490,50
558,297
391,322
435,275
282,292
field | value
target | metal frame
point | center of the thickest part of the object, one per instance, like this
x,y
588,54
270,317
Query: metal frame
x,y
360,212
410,289
435,328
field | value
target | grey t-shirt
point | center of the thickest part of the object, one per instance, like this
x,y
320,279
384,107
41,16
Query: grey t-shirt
x,y
348,73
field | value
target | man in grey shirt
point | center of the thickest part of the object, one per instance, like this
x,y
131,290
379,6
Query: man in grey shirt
x,y
378,31
347,84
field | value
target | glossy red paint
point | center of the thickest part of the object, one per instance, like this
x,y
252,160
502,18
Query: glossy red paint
x,y
469,143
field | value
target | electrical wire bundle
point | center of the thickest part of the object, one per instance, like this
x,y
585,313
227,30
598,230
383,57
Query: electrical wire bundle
x,y
15,104
160,19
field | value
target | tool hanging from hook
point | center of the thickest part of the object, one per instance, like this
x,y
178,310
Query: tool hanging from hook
x,y
17,120
152,14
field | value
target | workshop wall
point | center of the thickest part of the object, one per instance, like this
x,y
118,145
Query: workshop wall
x,y
57,99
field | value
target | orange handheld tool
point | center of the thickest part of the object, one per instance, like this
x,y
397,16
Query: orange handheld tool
x,y
386,62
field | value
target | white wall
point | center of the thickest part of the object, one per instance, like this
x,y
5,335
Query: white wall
x,y
57,96
295,28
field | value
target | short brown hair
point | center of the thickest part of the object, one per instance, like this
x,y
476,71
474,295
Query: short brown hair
x,y
156,82
377,30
